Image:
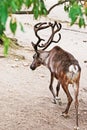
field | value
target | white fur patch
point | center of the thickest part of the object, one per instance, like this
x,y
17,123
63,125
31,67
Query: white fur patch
x,y
73,68
76,128
46,61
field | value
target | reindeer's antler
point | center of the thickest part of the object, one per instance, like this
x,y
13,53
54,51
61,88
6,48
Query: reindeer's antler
x,y
38,27
55,28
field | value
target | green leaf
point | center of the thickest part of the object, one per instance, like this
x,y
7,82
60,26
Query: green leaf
x,y
39,8
42,7
21,26
36,12
28,3
3,14
66,7
6,42
13,25
72,1
19,4
14,6
6,46
81,22
45,12
1,29
86,11
74,12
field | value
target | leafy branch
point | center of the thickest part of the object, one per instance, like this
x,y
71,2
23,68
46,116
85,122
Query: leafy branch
x,y
77,10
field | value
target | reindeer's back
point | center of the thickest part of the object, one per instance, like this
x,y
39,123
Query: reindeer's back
x,y
61,58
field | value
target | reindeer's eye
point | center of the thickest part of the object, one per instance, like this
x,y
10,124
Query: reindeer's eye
x,y
33,56
36,55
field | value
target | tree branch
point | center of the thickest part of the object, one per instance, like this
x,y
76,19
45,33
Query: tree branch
x,y
48,11
59,3
23,12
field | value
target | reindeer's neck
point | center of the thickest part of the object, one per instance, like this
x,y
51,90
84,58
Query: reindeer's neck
x,y
45,58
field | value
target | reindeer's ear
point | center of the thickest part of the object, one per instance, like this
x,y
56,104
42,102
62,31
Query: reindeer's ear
x,y
34,46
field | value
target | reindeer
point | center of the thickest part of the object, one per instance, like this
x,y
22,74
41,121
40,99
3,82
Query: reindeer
x,y
62,65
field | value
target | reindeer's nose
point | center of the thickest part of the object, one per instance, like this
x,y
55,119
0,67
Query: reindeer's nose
x,y
32,67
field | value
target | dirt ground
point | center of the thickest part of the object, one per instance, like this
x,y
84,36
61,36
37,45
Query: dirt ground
x,y
25,99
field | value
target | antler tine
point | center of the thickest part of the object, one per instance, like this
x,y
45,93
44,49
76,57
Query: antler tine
x,y
58,29
38,27
54,31
59,26
46,44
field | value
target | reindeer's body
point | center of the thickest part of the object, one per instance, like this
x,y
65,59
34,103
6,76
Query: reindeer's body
x,y
63,65
65,68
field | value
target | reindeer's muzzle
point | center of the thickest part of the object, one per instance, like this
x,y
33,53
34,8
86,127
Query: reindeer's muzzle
x,y
32,67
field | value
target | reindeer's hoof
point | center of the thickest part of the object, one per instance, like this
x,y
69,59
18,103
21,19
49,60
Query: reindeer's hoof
x,y
76,128
65,115
54,101
58,100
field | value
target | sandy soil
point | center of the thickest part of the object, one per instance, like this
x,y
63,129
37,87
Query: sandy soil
x,y
25,99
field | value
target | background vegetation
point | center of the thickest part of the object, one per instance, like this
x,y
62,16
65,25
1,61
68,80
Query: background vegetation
x,y
77,10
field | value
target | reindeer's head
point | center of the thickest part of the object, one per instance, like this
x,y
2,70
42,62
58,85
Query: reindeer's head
x,y
40,55
37,60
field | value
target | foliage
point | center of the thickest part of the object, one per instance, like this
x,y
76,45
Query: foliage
x,y
7,7
6,42
77,10
39,8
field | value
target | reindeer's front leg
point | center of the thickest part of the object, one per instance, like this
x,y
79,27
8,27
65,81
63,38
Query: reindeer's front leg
x,y
57,93
51,87
57,89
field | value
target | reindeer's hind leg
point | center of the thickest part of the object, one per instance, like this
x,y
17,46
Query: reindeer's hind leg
x,y
65,88
51,87
76,89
